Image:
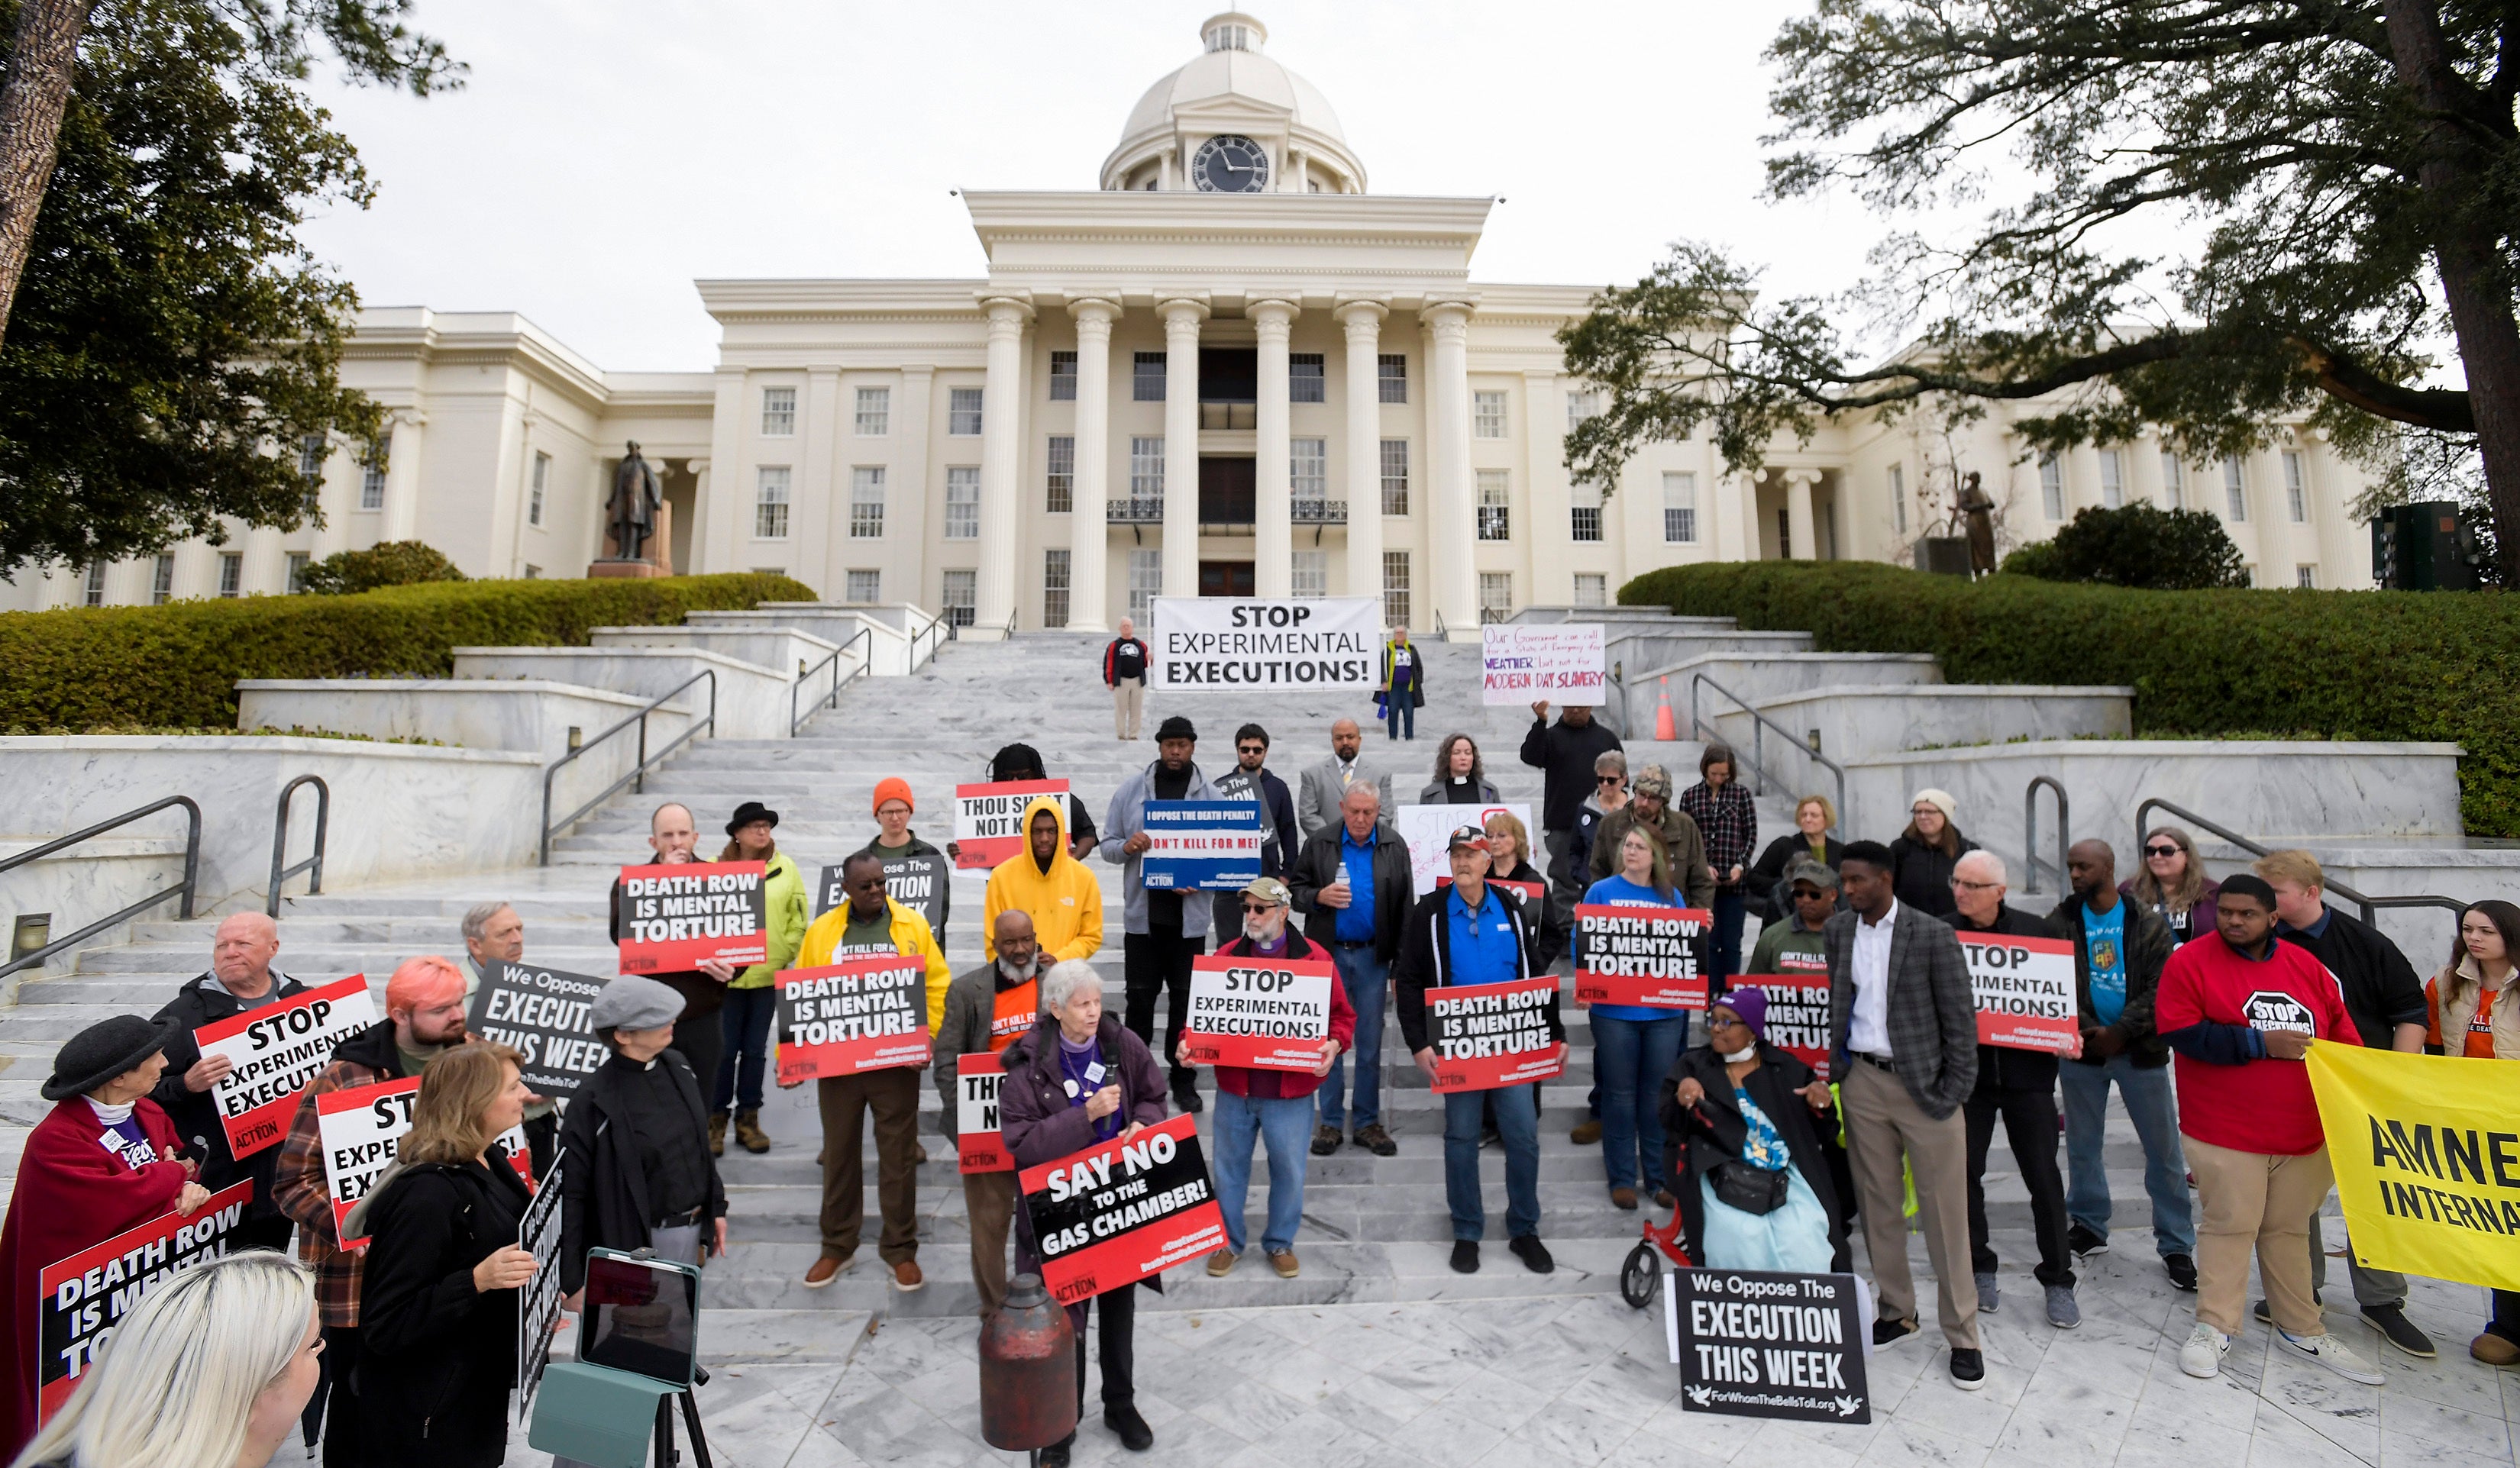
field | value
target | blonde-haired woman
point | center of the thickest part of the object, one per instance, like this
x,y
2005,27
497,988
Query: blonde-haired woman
x,y
437,1308
210,1367
1814,816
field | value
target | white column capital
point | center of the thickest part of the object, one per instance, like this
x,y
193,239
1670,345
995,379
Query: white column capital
x,y
1094,312
1448,319
700,466
1182,312
1007,313
1360,317
1273,316
1803,476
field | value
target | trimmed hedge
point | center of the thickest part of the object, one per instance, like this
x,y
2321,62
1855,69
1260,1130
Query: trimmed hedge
x,y
178,664
2349,665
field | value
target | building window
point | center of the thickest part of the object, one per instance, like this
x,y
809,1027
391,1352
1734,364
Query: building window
x,y
1308,469
1495,517
1581,405
778,412
1305,379
162,584
2235,497
297,572
1063,381
1147,467
770,503
2051,486
372,481
866,585
2174,480
537,489
963,411
874,412
1395,589
1680,508
1145,581
2305,578
2112,482
1584,521
1395,477
232,573
535,573
1146,380
1391,371
1062,475
1496,596
1053,587
1312,574
2296,494
961,505
1898,499
1487,415
93,594
1592,589
865,502
962,598
310,457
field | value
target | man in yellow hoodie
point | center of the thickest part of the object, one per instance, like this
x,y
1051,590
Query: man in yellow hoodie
x,y
870,924
1049,886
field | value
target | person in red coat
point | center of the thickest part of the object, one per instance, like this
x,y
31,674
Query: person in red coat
x,y
104,1162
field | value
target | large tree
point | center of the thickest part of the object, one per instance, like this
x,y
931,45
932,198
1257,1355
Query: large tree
x,y
2343,177
171,343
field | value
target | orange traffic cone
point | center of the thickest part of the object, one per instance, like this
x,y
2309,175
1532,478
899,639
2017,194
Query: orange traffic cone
x,y
1665,729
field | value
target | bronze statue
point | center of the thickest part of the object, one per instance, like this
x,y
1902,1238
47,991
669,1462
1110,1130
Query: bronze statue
x,y
1980,513
631,512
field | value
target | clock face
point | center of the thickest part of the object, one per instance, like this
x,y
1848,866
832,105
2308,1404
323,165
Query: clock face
x,y
1229,165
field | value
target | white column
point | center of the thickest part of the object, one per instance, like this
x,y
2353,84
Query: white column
x,y
1453,539
1799,526
1000,461
1088,531
1182,317
1363,322
903,554
1549,494
403,447
1273,464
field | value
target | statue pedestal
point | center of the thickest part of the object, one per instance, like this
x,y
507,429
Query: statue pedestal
x,y
655,563
640,569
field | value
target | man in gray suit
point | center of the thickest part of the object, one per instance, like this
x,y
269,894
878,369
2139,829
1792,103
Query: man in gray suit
x,y
1317,805
1904,1043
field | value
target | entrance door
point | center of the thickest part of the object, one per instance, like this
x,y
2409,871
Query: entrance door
x,y
1228,491
1228,578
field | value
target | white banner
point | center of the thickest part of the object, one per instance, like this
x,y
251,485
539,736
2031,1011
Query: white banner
x,y
1427,827
1525,662
1230,645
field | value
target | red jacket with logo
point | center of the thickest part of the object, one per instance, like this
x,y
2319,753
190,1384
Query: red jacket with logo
x,y
2214,1006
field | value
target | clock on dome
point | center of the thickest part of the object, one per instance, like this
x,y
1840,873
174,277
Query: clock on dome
x,y
1229,163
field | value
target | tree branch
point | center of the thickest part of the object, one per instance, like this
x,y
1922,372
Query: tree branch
x,y
43,59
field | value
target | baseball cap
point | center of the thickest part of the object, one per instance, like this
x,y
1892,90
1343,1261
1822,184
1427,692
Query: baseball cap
x,y
1468,835
1270,891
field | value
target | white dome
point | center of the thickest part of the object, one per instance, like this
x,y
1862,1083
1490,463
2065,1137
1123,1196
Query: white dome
x,y
1232,74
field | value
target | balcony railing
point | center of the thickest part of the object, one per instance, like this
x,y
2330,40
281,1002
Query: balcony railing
x,y
1223,510
1319,512
1133,511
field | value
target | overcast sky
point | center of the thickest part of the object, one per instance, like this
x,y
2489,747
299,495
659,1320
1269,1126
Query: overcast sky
x,y
602,156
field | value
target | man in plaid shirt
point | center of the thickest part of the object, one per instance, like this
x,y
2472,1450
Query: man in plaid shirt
x,y
423,1017
1730,825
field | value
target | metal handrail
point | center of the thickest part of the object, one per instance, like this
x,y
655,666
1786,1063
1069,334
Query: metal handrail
x,y
314,866
639,771
2030,832
1759,725
832,699
931,629
184,888
2368,905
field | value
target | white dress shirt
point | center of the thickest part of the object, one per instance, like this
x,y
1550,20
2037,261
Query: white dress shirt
x,y
1868,1030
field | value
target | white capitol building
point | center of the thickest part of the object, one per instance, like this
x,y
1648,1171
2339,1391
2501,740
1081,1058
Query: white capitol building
x,y
1230,369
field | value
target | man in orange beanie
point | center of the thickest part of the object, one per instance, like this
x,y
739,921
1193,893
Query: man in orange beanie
x,y
894,839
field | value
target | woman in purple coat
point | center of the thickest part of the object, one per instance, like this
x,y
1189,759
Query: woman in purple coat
x,y
1075,1080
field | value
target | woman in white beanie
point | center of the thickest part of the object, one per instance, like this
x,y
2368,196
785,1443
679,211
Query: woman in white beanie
x,y
1923,856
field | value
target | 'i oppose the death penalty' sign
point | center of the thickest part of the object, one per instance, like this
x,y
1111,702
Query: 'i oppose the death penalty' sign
x,y
1272,1013
1525,662
276,1050
86,1294
915,882
1491,1035
2025,992
538,1310
1111,1214
864,1014
1756,1344
975,1113
1210,845
1798,1015
988,818
546,1016
1639,956
675,918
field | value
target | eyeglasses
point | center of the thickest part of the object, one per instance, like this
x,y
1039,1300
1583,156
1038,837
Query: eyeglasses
x,y
2161,851
1925,810
1975,886
1725,1023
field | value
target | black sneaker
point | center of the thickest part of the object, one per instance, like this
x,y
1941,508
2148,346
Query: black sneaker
x,y
1968,1370
1465,1256
2085,1242
1889,1332
1533,1253
1187,1102
1134,1435
2182,1270
2398,1331
1055,1454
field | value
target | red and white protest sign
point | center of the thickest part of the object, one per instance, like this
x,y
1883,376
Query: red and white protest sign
x,y
1268,1014
1523,662
275,1051
1639,956
1798,1013
988,818
1111,1214
1491,1035
82,1297
361,1128
675,918
975,1113
2025,992
843,1019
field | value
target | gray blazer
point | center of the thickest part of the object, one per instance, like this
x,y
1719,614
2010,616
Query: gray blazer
x,y
1433,795
1128,817
1317,804
1932,1014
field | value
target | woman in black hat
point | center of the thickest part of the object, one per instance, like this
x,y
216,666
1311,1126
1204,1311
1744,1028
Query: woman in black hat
x,y
749,996
104,1162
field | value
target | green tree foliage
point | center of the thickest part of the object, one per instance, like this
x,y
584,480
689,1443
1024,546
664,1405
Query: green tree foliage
x,y
2135,544
391,562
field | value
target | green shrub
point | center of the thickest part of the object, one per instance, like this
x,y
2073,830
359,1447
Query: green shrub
x,y
178,664
2350,665
2135,544
391,562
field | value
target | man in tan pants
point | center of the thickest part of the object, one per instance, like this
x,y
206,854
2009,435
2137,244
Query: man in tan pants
x,y
1904,1028
1124,672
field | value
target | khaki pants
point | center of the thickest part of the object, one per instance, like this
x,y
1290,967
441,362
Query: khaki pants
x,y
1884,1123
1128,703
893,1096
2256,1200
990,1200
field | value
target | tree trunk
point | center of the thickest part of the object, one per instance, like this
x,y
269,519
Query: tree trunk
x,y
43,56
2468,250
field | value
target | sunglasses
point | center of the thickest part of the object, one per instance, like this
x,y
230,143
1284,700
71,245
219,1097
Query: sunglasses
x,y
1259,907
1607,779
2161,851
1254,749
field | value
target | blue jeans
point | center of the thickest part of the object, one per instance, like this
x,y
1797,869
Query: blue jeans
x,y
746,1018
1398,709
1518,1121
1368,980
1286,1125
2148,1096
1629,1058
1727,912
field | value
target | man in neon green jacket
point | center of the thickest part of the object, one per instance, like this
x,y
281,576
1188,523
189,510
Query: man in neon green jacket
x,y
750,998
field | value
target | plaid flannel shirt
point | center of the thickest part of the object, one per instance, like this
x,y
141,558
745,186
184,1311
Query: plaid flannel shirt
x,y
300,1190
1726,821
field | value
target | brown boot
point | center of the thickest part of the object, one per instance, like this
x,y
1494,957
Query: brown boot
x,y
718,1133
747,1131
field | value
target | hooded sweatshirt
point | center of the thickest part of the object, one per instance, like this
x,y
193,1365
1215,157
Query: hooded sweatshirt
x,y
1063,900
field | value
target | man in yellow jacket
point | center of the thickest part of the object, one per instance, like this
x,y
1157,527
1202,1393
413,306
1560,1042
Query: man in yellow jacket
x,y
1049,886
870,924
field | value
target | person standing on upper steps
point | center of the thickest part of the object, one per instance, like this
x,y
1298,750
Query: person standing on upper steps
x,y
1124,673
1404,684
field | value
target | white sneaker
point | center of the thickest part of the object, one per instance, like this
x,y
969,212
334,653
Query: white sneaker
x,y
2333,1353
2202,1356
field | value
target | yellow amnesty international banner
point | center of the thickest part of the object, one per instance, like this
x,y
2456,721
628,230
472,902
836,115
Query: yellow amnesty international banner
x,y
2426,1150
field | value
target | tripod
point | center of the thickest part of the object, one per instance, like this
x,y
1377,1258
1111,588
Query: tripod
x,y
667,1456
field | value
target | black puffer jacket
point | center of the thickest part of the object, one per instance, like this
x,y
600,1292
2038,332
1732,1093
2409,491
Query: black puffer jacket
x,y
1921,874
196,1113
438,1356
